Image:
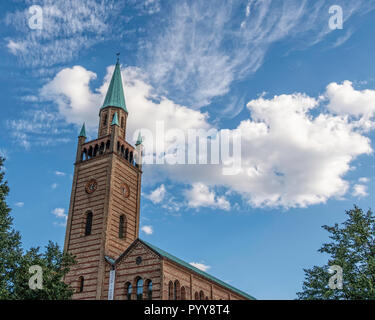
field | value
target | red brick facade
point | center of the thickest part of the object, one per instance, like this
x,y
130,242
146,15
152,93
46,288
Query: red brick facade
x,y
103,227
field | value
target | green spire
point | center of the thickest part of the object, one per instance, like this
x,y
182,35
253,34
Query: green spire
x,y
83,131
115,120
115,94
139,140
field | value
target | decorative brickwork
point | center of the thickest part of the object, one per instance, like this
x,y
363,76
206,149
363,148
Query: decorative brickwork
x,y
103,224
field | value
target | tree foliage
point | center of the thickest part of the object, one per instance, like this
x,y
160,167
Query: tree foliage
x,y
352,247
15,263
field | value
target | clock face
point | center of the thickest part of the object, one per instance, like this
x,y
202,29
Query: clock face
x,y
91,186
125,190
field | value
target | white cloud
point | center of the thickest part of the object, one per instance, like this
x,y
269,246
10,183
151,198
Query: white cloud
x,y
201,196
69,26
147,230
54,186
293,154
360,190
345,100
16,47
200,266
77,103
290,158
157,195
37,127
340,41
60,213
70,90
192,64
363,179
19,204
60,173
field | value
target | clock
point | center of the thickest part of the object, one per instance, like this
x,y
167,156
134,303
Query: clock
x,y
125,190
91,186
138,261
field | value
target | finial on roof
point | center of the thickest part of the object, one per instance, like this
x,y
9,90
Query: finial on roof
x,y
118,56
83,131
139,140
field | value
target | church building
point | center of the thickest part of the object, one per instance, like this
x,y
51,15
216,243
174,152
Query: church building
x,y
103,223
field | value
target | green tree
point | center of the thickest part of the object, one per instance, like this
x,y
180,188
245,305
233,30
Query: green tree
x,y
15,263
54,266
353,249
10,243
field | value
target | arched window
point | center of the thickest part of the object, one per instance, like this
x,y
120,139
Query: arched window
x,y
88,225
176,293
118,146
170,290
81,283
107,145
90,153
131,157
101,149
201,295
95,150
122,150
84,155
183,293
128,290
139,289
122,122
105,120
126,154
196,296
149,289
122,227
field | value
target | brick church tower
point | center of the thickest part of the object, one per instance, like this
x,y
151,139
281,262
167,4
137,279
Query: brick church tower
x,y
103,223
103,215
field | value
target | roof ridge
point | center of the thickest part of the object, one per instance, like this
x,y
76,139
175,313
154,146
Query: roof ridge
x,y
189,266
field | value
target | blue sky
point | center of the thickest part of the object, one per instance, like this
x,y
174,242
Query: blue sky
x,y
301,94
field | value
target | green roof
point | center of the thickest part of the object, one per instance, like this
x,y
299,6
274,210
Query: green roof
x,y
115,94
189,266
115,120
83,131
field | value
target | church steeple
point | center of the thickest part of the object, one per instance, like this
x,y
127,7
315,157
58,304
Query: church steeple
x,y
115,94
114,106
83,131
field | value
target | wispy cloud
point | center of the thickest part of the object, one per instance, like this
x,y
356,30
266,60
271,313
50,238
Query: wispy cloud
x,y
69,26
203,46
38,127
19,204
200,266
360,191
60,173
